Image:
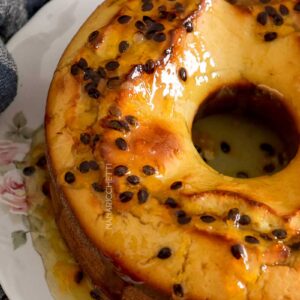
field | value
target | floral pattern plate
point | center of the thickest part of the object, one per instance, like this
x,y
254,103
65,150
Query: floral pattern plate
x,y
36,49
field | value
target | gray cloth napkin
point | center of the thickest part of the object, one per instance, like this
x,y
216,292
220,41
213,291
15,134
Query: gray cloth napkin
x,y
13,15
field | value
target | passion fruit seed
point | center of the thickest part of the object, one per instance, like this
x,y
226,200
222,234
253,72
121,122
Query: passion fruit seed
x,y
143,196
164,253
124,19
148,170
176,185
126,196
69,177
120,170
207,219
178,290
171,202
280,234
121,144
28,171
133,179
270,36
98,187
251,239
237,251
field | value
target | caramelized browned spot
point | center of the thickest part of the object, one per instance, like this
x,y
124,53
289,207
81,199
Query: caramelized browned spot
x,y
154,142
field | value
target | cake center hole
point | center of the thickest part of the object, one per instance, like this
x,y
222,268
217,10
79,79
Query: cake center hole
x,y
245,131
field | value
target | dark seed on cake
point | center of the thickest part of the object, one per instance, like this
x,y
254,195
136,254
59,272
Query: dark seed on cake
x,y
179,7
126,196
176,185
112,65
164,253
94,93
297,7
159,37
120,170
270,36
69,177
131,120
140,25
171,16
270,10
149,66
28,171
267,148
118,125
280,234
183,219
182,74
143,196
85,138
188,26
96,139
237,251
78,276
87,73
46,188
98,187
180,213
84,167
163,14
225,147
262,18
149,35
278,20
82,64
264,1
113,82
90,86
244,220
162,8
171,202
148,170
93,36
148,21
251,239
121,144
102,73
95,294
242,174
269,168
42,162
115,111
233,214
265,237
295,246
124,19
178,290
123,46
283,10
75,69
207,219
93,165
133,179
147,6
156,27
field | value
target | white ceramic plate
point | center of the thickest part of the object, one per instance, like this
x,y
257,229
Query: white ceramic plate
x,y
36,49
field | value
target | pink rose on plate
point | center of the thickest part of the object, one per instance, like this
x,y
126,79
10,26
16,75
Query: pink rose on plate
x,y
10,151
12,191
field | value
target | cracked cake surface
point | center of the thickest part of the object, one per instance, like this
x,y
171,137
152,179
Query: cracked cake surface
x,y
134,200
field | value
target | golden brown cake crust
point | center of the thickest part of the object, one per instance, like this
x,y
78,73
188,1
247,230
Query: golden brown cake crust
x,y
141,115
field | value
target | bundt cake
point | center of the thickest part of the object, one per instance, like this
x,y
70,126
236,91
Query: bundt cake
x,y
139,208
